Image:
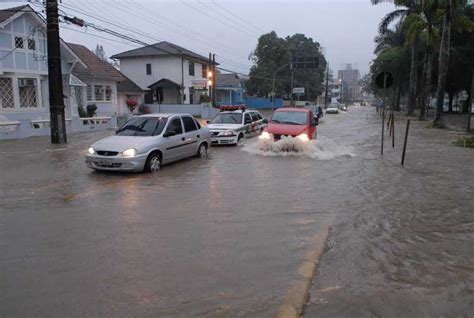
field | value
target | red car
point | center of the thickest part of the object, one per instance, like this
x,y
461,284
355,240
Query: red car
x,y
295,122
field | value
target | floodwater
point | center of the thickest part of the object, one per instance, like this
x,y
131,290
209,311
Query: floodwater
x,y
224,236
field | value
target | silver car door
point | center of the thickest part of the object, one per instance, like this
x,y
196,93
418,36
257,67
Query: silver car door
x,y
173,145
191,135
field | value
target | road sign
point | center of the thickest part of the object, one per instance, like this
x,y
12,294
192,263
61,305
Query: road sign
x,y
298,90
384,80
305,62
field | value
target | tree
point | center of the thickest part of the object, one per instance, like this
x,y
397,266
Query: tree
x,y
366,83
404,9
453,9
272,53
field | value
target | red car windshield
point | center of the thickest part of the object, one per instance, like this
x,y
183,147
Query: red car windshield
x,y
290,118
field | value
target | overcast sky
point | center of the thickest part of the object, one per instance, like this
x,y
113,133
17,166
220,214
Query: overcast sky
x,y
229,28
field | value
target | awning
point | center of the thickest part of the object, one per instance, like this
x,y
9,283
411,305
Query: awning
x,y
164,82
72,80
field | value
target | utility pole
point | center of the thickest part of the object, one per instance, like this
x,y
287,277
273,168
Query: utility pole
x,y
291,91
327,88
55,80
214,79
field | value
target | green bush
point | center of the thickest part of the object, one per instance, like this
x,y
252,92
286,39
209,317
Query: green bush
x,y
467,142
91,110
82,113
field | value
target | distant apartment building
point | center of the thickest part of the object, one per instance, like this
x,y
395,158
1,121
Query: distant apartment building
x,y
350,78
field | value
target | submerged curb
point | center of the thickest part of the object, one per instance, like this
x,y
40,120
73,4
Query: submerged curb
x,y
298,294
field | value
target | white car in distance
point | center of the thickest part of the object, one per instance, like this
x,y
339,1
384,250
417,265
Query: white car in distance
x,y
230,127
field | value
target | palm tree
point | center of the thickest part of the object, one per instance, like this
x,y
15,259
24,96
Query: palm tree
x,y
405,8
453,9
392,44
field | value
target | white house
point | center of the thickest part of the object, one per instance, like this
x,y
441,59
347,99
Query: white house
x,y
24,99
168,73
101,80
24,92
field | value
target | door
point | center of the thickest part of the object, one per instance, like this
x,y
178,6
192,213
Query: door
x,y
248,123
174,145
192,135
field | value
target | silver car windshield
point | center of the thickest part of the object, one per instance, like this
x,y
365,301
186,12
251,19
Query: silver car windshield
x,y
227,118
143,126
291,118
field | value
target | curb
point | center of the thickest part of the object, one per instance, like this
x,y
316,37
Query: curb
x,y
298,294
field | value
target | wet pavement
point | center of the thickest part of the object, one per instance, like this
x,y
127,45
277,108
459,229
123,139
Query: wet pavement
x,y
224,236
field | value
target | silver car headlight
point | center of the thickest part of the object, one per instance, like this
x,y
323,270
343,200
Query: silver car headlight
x,y
91,151
130,153
228,133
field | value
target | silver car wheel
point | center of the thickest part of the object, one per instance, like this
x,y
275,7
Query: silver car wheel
x,y
202,151
155,164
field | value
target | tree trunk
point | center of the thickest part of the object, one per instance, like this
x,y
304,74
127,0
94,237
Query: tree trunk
x,y
397,103
443,61
413,80
427,87
450,104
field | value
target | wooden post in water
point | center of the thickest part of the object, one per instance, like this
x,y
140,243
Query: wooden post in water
x,y
393,130
405,142
383,128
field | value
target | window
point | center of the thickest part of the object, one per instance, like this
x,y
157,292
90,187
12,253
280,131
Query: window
x,y
27,91
6,93
18,42
189,124
175,125
108,93
227,118
89,93
148,69
254,116
204,71
143,126
259,116
31,44
99,92
248,119
191,68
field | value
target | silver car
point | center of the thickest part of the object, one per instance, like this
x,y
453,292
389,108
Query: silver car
x,y
147,142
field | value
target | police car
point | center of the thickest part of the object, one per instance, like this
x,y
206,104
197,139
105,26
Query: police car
x,y
230,127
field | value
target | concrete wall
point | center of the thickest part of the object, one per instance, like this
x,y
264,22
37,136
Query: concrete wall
x,y
202,110
28,128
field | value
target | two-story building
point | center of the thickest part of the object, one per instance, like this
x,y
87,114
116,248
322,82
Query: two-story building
x,y
24,92
167,72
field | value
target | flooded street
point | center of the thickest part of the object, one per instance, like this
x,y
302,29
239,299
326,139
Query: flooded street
x,y
224,236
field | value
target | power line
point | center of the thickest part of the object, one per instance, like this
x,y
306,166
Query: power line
x,y
212,17
229,17
238,17
86,13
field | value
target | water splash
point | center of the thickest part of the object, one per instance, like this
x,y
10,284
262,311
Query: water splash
x,y
322,148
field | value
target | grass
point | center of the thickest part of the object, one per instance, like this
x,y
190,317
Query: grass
x,y
467,142
434,125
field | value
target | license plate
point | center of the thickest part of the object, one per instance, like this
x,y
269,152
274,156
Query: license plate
x,y
105,162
